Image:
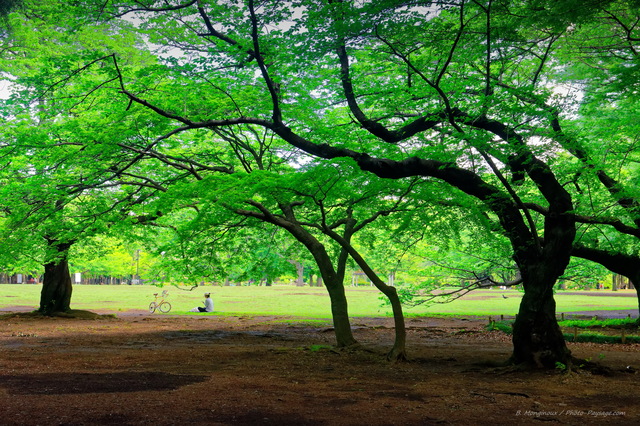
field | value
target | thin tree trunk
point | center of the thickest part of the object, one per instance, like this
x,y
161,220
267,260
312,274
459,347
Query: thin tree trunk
x,y
398,352
299,273
333,279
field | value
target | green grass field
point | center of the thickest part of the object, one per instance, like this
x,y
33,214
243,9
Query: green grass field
x,y
305,301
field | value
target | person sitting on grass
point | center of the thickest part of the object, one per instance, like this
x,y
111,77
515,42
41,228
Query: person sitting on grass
x,y
208,304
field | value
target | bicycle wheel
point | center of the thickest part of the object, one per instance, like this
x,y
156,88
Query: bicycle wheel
x,y
165,307
152,307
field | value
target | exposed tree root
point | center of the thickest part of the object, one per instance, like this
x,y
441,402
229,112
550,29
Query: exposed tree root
x,y
397,355
583,365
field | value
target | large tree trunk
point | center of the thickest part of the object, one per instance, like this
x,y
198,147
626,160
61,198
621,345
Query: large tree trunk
x,y
56,285
537,338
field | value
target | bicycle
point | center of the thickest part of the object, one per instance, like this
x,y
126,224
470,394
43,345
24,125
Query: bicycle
x,y
160,303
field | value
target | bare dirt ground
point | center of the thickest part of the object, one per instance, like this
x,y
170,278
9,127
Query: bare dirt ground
x,y
142,369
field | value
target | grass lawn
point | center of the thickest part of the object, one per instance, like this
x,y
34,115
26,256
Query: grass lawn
x,y
306,301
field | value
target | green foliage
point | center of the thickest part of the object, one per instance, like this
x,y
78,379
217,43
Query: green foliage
x,y
561,366
182,139
600,338
111,257
7,6
601,323
502,326
61,183
583,275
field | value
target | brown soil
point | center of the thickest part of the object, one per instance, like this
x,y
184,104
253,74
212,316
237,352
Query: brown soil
x,y
162,370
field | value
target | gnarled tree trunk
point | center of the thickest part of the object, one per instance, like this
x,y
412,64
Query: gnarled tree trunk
x,y
537,338
56,284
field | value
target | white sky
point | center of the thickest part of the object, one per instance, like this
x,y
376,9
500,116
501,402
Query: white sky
x,y
5,89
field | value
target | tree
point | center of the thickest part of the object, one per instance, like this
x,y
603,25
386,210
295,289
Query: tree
x,y
332,208
7,6
455,91
307,204
600,62
418,103
227,250
108,256
59,181
608,152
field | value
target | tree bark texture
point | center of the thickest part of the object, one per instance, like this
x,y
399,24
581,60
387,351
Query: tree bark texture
x,y
398,351
56,285
334,283
537,338
339,313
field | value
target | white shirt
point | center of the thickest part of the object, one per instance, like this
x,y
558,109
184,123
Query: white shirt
x,y
208,304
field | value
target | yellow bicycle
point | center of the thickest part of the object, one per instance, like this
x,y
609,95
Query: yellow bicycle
x,y
160,303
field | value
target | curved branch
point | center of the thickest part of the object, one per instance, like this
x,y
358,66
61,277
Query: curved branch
x,y
461,291
145,8
514,195
617,224
618,263
212,31
271,86
630,204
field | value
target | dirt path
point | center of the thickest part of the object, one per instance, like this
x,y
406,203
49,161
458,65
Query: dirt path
x,y
163,370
